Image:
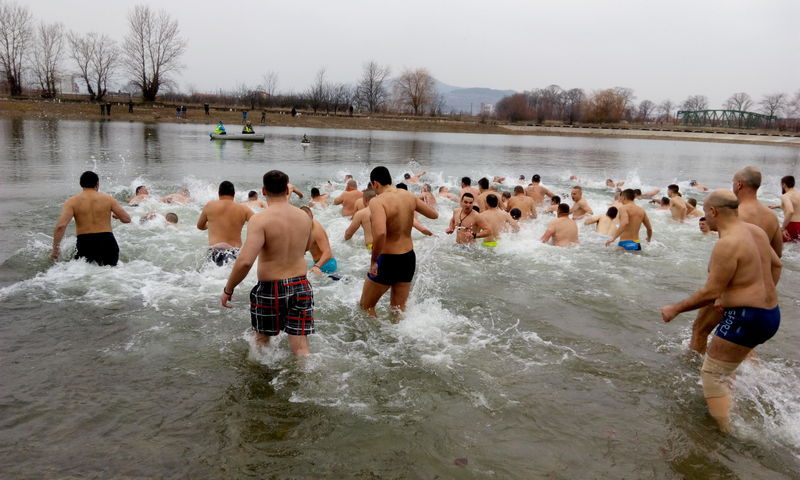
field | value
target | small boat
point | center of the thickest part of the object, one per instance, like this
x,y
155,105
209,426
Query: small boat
x,y
306,143
247,137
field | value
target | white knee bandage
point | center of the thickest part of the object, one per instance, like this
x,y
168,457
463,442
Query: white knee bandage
x,y
714,374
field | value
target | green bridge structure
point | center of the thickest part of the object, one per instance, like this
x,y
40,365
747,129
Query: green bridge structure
x,y
725,118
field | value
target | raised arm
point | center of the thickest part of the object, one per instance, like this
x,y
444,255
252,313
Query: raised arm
x,y
426,209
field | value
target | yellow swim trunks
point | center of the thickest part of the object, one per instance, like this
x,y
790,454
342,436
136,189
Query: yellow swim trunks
x,y
489,244
369,246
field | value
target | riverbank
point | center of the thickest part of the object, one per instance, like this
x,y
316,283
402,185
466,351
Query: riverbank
x,y
275,117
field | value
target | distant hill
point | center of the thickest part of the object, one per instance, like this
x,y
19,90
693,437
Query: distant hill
x,y
462,99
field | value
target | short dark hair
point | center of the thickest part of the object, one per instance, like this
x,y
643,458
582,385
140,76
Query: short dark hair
x,y
252,194
637,191
628,194
692,202
381,175
276,182
466,181
536,178
506,195
402,186
563,208
673,188
491,200
519,189
476,208
226,188
467,194
483,183
664,200
612,212
139,189
406,176
314,192
701,219
555,199
522,177
788,180
515,213
89,179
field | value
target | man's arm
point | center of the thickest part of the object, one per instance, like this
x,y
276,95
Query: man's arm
x,y
253,244
353,227
378,224
591,220
419,226
324,245
119,212
624,218
548,234
647,226
202,222
426,209
452,227
513,223
788,210
775,266
547,192
248,212
338,200
297,192
586,207
484,229
61,226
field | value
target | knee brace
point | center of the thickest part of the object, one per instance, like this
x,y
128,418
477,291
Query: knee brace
x,y
714,373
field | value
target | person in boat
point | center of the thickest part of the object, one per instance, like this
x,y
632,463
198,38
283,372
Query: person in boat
x,y
248,128
305,139
220,130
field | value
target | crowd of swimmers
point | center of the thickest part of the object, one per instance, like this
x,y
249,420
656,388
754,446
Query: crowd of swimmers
x,y
738,303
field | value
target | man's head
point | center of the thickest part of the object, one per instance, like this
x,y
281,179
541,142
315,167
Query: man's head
x,y
226,189
518,190
628,194
612,212
609,182
426,187
466,181
443,189
506,195
703,225
536,178
515,213
664,201
555,200
171,218
467,200
401,186
89,179
787,183
380,177
673,190
720,206
522,177
483,183
407,176
314,192
369,194
142,190
491,201
563,210
576,193
637,192
252,195
347,178
692,183
276,183
746,179
352,185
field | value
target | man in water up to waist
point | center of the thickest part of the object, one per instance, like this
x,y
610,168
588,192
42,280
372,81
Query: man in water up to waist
x,y
92,211
393,260
224,220
742,274
282,299
631,218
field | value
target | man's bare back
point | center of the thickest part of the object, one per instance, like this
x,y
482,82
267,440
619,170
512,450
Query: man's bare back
x,y
224,220
525,204
753,211
563,231
348,202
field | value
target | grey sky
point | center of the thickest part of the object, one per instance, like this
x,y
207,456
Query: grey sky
x,y
659,49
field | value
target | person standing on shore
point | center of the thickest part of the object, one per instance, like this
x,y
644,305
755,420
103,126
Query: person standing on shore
x,y
393,260
742,274
283,299
92,212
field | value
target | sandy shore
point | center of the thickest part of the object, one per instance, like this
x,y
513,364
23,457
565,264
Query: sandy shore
x,y
233,118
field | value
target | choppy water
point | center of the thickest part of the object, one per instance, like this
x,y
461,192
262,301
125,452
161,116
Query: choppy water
x,y
526,361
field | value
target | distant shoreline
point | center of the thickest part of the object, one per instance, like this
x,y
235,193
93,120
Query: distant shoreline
x,y
43,110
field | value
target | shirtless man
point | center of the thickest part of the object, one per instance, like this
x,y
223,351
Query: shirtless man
x,y
702,224
92,212
677,206
282,299
499,221
631,218
610,183
663,204
141,193
466,187
320,248
348,198
741,278
426,195
691,209
409,178
536,191
467,223
790,203
698,186
393,259
581,207
253,201
181,197
224,220
524,203
563,230
555,201
318,199
444,192
483,192
361,219
604,223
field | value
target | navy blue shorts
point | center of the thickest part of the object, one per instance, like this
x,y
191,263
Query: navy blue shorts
x,y
395,268
749,326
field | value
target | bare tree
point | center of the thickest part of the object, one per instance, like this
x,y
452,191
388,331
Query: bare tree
x,y
152,49
739,101
341,96
773,104
573,105
46,59
666,107
695,102
627,96
371,92
646,109
414,90
15,40
319,91
97,58
269,83
438,103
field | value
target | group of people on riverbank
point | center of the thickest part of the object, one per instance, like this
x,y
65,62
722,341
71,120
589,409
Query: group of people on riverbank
x,y
739,298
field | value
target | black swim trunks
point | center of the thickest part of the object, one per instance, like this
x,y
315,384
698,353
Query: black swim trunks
x,y
100,248
286,305
395,268
221,256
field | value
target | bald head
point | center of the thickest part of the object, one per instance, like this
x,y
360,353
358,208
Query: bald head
x,y
352,184
722,199
749,176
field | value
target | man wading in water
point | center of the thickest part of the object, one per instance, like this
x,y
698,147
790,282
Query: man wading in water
x,y
393,259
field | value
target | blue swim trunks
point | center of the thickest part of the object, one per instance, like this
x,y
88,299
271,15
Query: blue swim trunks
x,y
749,326
632,245
329,267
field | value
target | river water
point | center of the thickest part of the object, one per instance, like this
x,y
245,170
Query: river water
x,y
521,362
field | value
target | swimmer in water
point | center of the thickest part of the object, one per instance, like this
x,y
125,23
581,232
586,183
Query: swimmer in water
x,y
467,224
278,238
92,212
141,193
515,213
499,221
610,183
318,199
254,202
412,179
677,206
361,219
581,207
466,187
224,220
563,230
426,195
698,186
348,198
393,260
742,274
555,201
484,191
320,248
182,197
663,204
691,208
631,218
524,203
444,192
703,225
790,203
604,224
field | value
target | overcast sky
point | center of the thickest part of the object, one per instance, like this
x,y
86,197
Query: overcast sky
x,y
668,49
